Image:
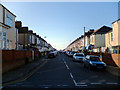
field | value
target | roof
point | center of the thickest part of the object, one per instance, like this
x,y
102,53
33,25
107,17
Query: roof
x,y
102,30
116,21
7,10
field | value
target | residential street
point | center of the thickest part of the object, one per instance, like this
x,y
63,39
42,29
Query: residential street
x,y
62,72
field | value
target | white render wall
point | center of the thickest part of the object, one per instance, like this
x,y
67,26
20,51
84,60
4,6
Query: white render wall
x,y
1,14
99,40
10,31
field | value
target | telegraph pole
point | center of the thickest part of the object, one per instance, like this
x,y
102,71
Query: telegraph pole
x,y
84,39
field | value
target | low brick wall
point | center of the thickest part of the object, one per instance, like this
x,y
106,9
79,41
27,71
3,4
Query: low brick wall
x,y
116,58
12,59
109,59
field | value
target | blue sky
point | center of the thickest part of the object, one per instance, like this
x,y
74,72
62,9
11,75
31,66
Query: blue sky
x,y
63,22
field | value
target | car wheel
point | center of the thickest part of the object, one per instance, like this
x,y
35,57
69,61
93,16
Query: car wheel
x,y
89,67
84,66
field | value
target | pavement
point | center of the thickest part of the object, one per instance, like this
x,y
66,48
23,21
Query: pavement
x,y
22,72
25,71
113,70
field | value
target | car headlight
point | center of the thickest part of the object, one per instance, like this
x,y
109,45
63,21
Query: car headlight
x,y
93,64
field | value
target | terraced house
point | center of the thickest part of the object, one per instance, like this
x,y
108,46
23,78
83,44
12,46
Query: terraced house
x,y
8,32
97,39
113,38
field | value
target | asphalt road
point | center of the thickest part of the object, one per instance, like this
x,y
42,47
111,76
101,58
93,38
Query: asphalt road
x,y
62,72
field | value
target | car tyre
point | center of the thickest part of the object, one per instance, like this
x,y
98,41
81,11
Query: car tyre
x,y
84,66
89,67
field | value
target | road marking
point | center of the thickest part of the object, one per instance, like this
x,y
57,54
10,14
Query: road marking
x,y
76,84
71,75
95,83
45,85
111,83
27,85
66,65
58,85
65,85
82,85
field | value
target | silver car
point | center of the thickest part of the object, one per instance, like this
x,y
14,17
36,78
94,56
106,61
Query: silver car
x,y
78,57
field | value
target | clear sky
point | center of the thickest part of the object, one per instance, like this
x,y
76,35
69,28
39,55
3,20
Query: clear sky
x,y
63,22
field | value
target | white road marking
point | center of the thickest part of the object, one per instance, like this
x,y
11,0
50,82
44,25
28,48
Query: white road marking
x,y
95,83
71,75
27,85
65,85
58,85
45,85
82,85
67,66
111,83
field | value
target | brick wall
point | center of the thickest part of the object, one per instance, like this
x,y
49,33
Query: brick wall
x,y
12,59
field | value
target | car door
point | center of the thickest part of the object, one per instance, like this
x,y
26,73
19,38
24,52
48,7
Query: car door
x,y
87,61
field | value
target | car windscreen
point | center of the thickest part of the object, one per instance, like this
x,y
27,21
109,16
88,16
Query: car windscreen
x,y
81,55
95,59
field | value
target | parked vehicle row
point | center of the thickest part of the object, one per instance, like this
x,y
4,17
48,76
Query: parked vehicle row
x,y
89,61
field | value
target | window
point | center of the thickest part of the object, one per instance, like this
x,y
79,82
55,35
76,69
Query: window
x,y
9,20
111,36
4,40
10,44
7,44
0,35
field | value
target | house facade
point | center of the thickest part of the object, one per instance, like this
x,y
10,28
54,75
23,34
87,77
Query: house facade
x,y
8,32
97,39
113,38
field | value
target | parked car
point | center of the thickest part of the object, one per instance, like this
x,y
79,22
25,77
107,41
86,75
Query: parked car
x,y
55,53
70,54
51,55
67,52
92,62
78,57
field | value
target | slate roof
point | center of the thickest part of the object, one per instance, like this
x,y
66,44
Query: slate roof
x,y
102,30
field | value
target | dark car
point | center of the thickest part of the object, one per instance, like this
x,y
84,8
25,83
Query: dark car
x,y
51,55
92,62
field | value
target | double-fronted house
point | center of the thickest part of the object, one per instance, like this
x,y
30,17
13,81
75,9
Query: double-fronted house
x,y
8,32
